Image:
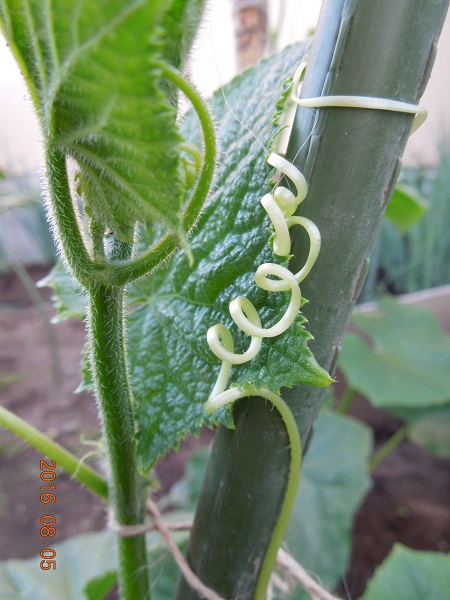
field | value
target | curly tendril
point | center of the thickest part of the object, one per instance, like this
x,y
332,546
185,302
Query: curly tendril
x,y
281,205
192,163
366,102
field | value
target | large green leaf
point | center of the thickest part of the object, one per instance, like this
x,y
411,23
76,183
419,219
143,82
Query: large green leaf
x,y
172,368
432,431
93,71
78,561
334,481
407,362
411,575
86,566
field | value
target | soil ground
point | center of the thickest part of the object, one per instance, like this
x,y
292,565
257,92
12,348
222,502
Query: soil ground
x,y
408,502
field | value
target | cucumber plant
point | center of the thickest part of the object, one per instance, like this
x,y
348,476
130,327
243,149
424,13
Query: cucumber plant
x,y
158,252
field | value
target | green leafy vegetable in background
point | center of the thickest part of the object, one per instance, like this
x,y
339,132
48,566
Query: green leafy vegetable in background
x,y
406,362
410,575
334,481
405,208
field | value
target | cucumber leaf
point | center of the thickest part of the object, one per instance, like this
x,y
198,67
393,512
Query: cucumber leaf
x,y
407,362
93,71
172,368
411,575
69,298
86,568
432,431
179,26
78,561
405,208
98,588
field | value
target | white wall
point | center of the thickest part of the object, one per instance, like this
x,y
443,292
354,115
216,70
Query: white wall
x,y
423,147
19,132
212,65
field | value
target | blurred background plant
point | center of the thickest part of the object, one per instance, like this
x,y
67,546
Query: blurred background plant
x,y
24,232
412,251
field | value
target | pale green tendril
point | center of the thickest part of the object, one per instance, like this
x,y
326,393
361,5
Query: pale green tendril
x,y
366,102
191,165
281,205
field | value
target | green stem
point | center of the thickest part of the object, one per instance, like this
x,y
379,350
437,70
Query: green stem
x,y
382,453
198,197
346,401
97,231
125,272
289,498
64,218
63,458
108,361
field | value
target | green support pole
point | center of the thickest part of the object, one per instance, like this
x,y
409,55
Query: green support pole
x,y
361,47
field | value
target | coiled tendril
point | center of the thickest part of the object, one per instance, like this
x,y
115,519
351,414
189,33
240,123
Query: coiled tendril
x,y
366,102
281,206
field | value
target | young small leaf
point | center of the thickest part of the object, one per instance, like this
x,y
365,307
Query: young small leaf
x,y
97,588
180,25
68,297
405,208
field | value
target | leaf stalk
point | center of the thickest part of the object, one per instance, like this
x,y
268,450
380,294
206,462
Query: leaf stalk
x,y
346,401
63,458
386,449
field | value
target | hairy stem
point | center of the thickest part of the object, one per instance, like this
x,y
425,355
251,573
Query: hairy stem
x,y
62,457
108,361
64,218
